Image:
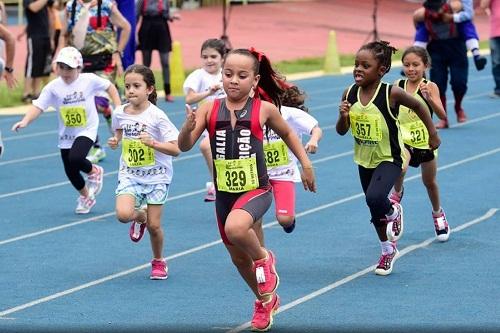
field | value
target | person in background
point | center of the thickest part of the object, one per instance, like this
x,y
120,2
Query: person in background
x,y
153,17
492,8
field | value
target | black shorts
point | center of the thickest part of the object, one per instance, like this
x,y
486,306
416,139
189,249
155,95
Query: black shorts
x,y
419,156
154,34
39,58
255,202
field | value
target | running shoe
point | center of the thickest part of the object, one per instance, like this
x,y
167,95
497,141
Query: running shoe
x,y
263,313
95,180
267,277
210,196
461,116
386,262
396,197
84,204
394,229
159,269
441,226
289,227
96,154
137,229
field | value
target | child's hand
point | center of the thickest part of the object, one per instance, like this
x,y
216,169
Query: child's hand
x,y
311,147
424,89
344,108
214,88
434,141
113,142
146,138
190,122
308,180
18,125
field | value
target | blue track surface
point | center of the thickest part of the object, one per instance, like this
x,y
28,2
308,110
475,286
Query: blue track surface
x,y
61,272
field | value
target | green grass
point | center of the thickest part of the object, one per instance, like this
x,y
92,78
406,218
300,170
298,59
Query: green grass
x,y
10,98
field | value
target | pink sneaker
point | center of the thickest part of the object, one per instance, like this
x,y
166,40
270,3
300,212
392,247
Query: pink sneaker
x,y
95,180
267,277
210,196
394,229
441,226
386,262
159,270
397,197
263,314
137,229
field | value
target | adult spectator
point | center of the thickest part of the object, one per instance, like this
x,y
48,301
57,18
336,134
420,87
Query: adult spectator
x,y
492,8
8,42
449,56
127,8
154,34
91,29
39,55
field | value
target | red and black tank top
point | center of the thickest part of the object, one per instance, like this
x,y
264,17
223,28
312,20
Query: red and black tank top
x,y
243,141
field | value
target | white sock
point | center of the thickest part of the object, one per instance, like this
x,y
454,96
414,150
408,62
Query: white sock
x,y
438,212
387,247
473,46
421,44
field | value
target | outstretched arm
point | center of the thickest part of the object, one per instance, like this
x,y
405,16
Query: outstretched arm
x,y
193,126
31,115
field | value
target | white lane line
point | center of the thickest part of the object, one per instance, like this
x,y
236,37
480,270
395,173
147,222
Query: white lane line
x,y
45,187
207,245
367,270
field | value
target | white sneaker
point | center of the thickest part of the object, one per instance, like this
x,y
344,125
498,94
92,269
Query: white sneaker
x,y
95,180
210,196
96,154
84,204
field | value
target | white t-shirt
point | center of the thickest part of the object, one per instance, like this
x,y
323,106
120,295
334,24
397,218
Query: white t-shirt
x,y
73,102
301,123
200,80
155,122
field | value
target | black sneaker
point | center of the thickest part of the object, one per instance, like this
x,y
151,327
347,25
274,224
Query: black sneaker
x,y
480,62
290,227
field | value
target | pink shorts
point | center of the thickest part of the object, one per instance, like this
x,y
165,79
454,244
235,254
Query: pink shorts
x,y
284,197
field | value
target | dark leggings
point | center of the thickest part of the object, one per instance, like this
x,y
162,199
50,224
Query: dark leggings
x,y
74,161
377,184
146,60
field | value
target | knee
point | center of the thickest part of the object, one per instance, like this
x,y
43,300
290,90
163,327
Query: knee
x,y
155,229
430,184
124,214
234,233
376,203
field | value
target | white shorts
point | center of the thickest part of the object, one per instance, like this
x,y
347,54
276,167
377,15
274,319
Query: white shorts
x,y
151,194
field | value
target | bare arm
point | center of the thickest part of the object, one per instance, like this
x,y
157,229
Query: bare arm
x,y
114,95
316,135
169,147
343,122
37,5
121,22
431,94
114,141
31,115
399,96
10,48
193,126
275,121
193,97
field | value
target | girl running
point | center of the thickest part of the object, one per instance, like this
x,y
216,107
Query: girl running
x,y
72,95
369,108
243,191
281,163
205,84
149,140
415,61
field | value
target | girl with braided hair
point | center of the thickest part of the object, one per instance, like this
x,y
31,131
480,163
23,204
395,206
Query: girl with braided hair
x,y
369,107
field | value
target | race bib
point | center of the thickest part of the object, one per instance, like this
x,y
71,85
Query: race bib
x,y
366,127
137,154
237,176
276,154
414,133
73,116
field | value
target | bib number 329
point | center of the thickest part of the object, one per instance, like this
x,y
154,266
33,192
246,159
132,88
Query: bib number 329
x,y
237,175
